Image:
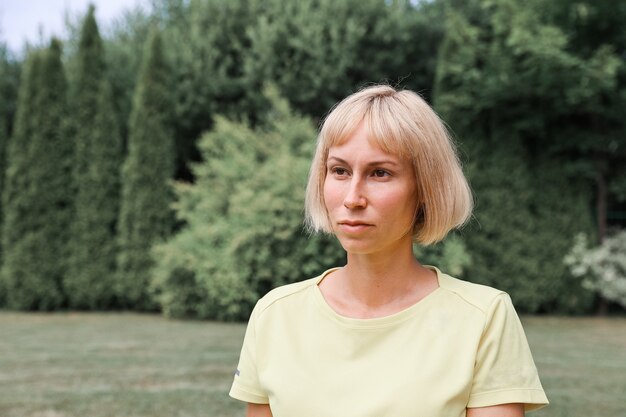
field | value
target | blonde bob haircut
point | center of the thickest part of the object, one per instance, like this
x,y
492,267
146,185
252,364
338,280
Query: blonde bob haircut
x,y
403,124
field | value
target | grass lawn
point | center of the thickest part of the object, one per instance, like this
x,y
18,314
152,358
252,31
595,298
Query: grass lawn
x,y
116,365
582,365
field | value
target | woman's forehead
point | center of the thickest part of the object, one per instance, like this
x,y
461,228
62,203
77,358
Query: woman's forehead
x,y
390,146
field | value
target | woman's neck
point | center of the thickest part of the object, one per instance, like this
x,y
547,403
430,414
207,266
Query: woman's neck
x,y
378,285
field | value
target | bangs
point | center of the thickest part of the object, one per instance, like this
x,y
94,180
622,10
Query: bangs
x,y
385,126
340,125
388,129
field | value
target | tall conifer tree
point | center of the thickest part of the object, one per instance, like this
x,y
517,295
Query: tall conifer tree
x,y
4,128
4,134
98,153
14,198
145,216
37,195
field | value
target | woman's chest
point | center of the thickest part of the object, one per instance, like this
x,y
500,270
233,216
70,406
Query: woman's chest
x,y
420,368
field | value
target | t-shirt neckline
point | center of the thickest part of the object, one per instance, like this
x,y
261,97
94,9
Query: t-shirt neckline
x,y
376,322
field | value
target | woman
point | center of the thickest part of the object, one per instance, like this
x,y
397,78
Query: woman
x,y
385,335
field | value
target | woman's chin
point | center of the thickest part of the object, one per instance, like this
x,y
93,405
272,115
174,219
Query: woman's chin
x,y
358,246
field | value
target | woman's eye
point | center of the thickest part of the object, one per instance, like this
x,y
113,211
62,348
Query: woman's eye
x,y
380,173
338,171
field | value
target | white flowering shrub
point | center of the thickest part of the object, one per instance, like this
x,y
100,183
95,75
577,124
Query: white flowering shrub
x,y
602,268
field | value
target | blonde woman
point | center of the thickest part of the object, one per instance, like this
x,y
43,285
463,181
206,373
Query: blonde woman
x,y
385,335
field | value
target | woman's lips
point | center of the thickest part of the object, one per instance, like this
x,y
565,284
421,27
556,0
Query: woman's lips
x,y
354,227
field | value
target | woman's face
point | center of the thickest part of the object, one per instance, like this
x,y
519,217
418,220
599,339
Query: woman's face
x,y
370,196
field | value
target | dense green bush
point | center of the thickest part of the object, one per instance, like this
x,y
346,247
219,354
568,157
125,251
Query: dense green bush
x,y
523,224
243,231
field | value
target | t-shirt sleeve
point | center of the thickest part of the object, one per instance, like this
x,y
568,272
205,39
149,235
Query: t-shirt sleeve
x,y
246,385
505,371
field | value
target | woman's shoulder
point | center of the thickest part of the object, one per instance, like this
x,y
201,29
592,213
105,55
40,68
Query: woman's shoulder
x,y
479,296
287,292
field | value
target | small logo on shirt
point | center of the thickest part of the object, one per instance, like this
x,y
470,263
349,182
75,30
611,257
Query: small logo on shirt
x,y
237,372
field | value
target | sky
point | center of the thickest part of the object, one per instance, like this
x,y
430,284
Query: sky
x,y
21,20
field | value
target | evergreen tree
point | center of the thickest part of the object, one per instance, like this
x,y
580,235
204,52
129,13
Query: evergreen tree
x,y
4,135
146,217
3,117
37,196
9,84
98,154
15,224
3,145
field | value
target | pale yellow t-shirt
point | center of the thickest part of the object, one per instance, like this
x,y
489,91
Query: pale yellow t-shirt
x,y
461,346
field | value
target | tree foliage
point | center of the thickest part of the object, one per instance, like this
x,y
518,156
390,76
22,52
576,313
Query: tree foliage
x,y
4,136
523,68
315,52
16,221
124,49
98,154
510,86
37,197
9,83
6,85
146,217
243,231
301,47
533,90
524,220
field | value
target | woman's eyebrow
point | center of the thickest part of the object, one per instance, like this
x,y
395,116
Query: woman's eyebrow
x,y
372,163
341,161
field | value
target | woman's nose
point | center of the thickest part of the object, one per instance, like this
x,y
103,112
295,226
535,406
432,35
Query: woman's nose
x,y
355,197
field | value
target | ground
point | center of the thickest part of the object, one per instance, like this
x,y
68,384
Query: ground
x,y
97,365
